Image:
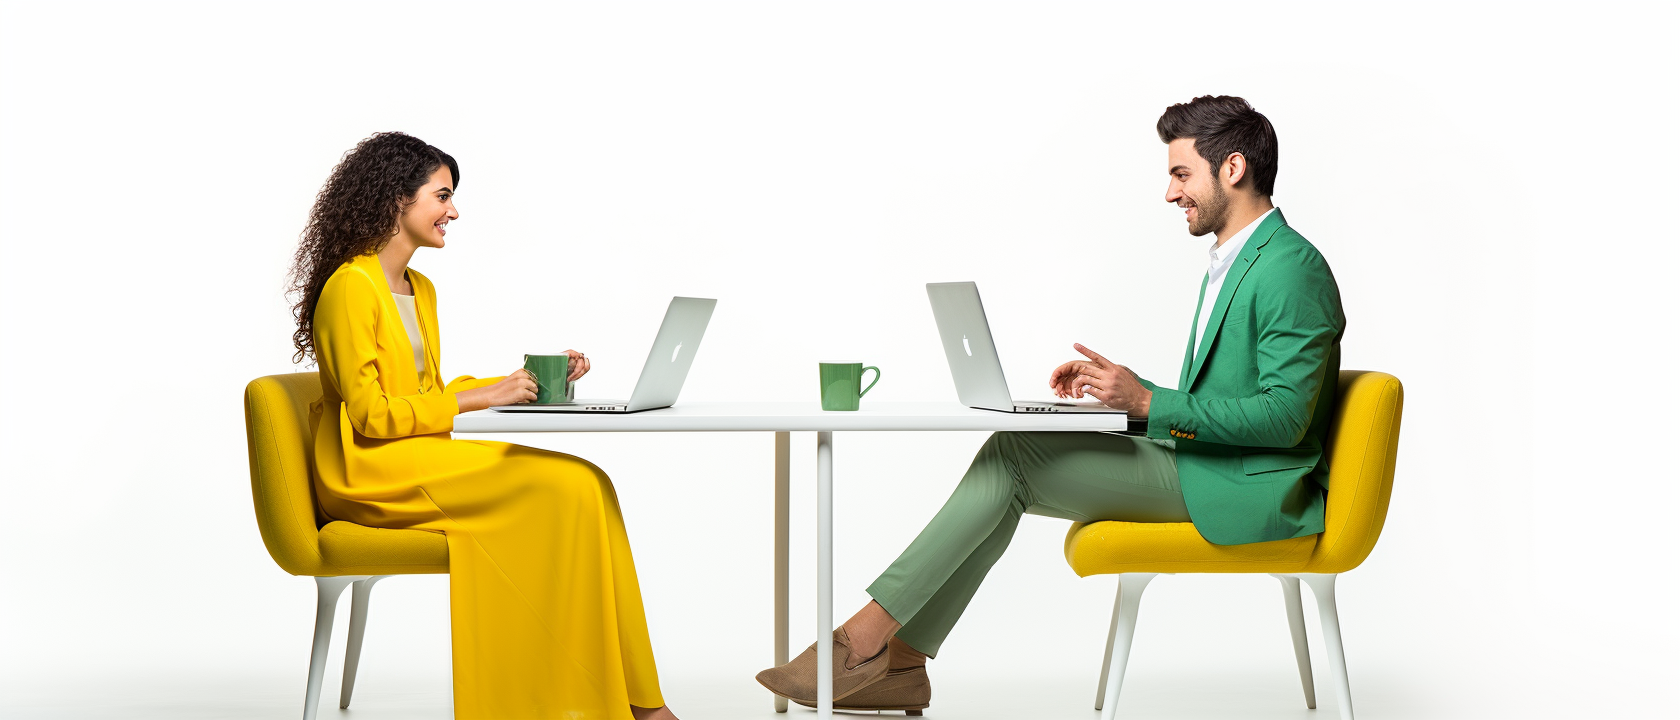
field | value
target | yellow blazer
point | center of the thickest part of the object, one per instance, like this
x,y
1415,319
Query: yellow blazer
x,y
372,398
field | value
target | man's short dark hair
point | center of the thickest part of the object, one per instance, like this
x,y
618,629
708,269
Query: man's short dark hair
x,y
1222,125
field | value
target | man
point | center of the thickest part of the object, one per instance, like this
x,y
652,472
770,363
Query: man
x,y
1237,449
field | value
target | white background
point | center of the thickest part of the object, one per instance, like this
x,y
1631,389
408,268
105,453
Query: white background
x,y
1493,187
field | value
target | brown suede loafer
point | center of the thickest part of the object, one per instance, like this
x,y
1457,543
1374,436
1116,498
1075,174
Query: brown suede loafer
x,y
905,689
797,680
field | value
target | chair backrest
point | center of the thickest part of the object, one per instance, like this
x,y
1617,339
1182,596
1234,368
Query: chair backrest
x,y
278,435
1364,440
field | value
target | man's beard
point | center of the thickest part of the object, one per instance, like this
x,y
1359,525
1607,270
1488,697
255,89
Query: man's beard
x,y
1211,214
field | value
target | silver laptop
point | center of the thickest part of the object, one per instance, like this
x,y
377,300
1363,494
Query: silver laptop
x,y
974,362
663,373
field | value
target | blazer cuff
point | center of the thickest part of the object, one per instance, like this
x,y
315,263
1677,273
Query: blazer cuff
x,y
1167,409
439,416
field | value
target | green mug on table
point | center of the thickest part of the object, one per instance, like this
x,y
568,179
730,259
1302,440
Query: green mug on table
x,y
550,373
842,384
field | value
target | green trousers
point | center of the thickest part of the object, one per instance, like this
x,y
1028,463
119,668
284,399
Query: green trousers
x,y
1074,476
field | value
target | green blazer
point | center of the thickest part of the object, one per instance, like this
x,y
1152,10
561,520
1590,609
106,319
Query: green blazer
x,y
1253,406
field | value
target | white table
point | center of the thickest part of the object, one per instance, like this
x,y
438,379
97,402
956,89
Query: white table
x,y
782,418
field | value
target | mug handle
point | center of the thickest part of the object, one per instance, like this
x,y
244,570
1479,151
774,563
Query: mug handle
x,y
871,382
529,371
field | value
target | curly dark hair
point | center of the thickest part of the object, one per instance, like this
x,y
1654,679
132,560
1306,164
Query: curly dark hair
x,y
356,213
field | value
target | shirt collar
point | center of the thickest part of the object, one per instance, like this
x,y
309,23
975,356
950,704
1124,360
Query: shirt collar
x,y
1220,257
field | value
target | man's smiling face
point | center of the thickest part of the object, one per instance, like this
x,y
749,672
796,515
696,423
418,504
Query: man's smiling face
x,y
1196,188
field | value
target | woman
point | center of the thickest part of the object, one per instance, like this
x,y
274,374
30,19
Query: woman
x,y
546,614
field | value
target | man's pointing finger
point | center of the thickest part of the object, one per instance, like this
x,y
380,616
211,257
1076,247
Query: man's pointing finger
x,y
1088,352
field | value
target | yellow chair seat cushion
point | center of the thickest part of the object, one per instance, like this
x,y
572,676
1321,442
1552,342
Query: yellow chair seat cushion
x,y
351,549
1107,547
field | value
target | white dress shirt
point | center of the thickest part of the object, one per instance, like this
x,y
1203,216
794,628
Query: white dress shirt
x,y
1220,258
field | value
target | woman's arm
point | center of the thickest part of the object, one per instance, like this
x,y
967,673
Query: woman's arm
x,y
346,319
516,387
468,382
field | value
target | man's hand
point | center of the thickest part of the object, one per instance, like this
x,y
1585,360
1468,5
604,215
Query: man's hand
x,y
1111,384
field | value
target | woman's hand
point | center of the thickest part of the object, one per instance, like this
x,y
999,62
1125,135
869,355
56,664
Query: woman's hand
x,y
578,366
518,387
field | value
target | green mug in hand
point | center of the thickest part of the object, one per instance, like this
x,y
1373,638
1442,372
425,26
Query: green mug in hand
x,y
550,372
841,383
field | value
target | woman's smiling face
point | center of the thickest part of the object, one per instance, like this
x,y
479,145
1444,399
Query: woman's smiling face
x,y
430,210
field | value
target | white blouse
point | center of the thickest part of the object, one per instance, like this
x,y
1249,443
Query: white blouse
x,y
411,323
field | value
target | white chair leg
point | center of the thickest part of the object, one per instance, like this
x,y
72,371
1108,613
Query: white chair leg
x,y
1108,651
359,594
1298,633
1324,588
327,590
1120,635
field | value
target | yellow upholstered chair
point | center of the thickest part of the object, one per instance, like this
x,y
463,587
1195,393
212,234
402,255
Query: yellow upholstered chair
x,y
305,542
1364,437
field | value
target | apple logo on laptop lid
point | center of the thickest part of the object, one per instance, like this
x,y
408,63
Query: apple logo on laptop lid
x,y
674,352
965,347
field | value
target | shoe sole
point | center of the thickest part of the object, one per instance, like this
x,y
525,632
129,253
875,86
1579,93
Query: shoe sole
x,y
910,710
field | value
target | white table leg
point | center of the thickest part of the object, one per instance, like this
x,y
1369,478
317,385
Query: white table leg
x,y
783,451
825,575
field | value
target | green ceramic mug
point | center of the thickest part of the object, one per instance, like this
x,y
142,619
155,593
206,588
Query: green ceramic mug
x,y
841,383
550,373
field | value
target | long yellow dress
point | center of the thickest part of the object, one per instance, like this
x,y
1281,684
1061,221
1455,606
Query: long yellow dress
x,y
545,610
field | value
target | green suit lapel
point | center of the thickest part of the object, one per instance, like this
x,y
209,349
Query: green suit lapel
x,y
1234,277
1190,344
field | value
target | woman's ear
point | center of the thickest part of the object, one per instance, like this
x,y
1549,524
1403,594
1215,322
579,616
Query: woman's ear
x,y
406,205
